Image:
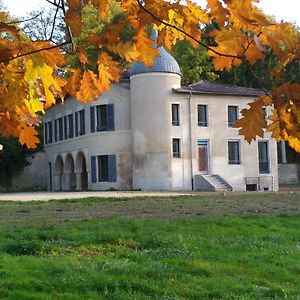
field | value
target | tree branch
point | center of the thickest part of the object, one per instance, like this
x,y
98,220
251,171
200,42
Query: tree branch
x,y
35,51
21,21
185,33
241,58
54,20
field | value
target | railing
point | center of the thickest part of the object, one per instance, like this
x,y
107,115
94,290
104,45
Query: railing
x,y
259,181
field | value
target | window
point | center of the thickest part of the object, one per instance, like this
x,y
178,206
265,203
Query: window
x,y
263,157
103,168
70,126
202,115
66,127
58,129
234,152
102,118
48,132
175,115
107,171
232,115
176,148
81,122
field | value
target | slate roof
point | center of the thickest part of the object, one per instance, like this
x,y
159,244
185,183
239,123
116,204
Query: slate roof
x,y
164,63
206,87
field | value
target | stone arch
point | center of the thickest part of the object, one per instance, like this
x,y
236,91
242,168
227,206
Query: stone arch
x,y
58,173
69,172
81,172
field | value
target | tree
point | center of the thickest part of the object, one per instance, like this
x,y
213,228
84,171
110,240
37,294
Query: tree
x,y
13,159
33,74
195,64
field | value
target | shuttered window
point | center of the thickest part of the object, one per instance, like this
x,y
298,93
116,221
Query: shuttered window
x,y
50,132
93,168
66,127
107,170
71,126
81,122
76,123
60,129
92,119
55,130
104,118
46,133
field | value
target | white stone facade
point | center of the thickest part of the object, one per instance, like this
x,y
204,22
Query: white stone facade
x,y
127,140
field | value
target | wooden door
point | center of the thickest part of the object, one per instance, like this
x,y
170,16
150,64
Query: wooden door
x,y
203,158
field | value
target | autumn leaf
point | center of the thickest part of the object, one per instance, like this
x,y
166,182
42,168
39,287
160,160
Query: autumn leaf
x,y
28,136
89,87
34,74
144,46
108,71
252,121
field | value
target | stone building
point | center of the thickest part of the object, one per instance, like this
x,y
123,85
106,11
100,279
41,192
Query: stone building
x,y
150,133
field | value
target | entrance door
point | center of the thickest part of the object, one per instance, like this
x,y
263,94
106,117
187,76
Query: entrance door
x,y
203,156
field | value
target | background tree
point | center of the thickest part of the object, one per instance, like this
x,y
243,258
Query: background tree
x,y
30,70
195,64
13,159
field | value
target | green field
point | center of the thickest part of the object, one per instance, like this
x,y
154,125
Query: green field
x,y
47,253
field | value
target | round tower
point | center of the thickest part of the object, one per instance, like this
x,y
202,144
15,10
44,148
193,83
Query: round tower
x,y
151,91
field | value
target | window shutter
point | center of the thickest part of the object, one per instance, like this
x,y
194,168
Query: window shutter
x,y
55,130
60,127
112,168
92,118
71,126
76,123
93,169
110,117
50,132
66,127
46,133
82,122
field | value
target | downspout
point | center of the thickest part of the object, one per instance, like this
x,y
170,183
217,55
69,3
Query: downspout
x,y
190,138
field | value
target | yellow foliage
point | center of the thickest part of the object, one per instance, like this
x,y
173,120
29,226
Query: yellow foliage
x,y
30,71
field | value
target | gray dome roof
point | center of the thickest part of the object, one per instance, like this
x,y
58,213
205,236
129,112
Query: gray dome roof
x,y
165,62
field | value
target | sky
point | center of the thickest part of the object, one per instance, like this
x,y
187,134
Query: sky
x,y
287,10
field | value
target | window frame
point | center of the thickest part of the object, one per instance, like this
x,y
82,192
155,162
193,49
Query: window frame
x,y
175,114
238,160
176,143
205,122
260,171
230,123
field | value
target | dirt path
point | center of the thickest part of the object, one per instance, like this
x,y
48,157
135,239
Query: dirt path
x,y
151,207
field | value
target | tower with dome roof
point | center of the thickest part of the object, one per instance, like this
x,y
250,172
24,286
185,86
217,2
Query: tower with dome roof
x,y
150,94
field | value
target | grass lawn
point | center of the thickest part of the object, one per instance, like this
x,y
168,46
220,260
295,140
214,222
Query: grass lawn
x,y
76,250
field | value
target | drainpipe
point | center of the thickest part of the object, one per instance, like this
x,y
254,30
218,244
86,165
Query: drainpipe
x,y
283,152
190,138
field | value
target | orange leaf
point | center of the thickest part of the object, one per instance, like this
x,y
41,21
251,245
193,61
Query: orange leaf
x,y
252,121
28,136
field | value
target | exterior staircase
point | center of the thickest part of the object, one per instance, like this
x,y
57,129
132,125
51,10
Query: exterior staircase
x,y
211,183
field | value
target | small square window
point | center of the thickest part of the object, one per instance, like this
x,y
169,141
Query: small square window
x,y
175,115
176,148
234,152
232,115
202,115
